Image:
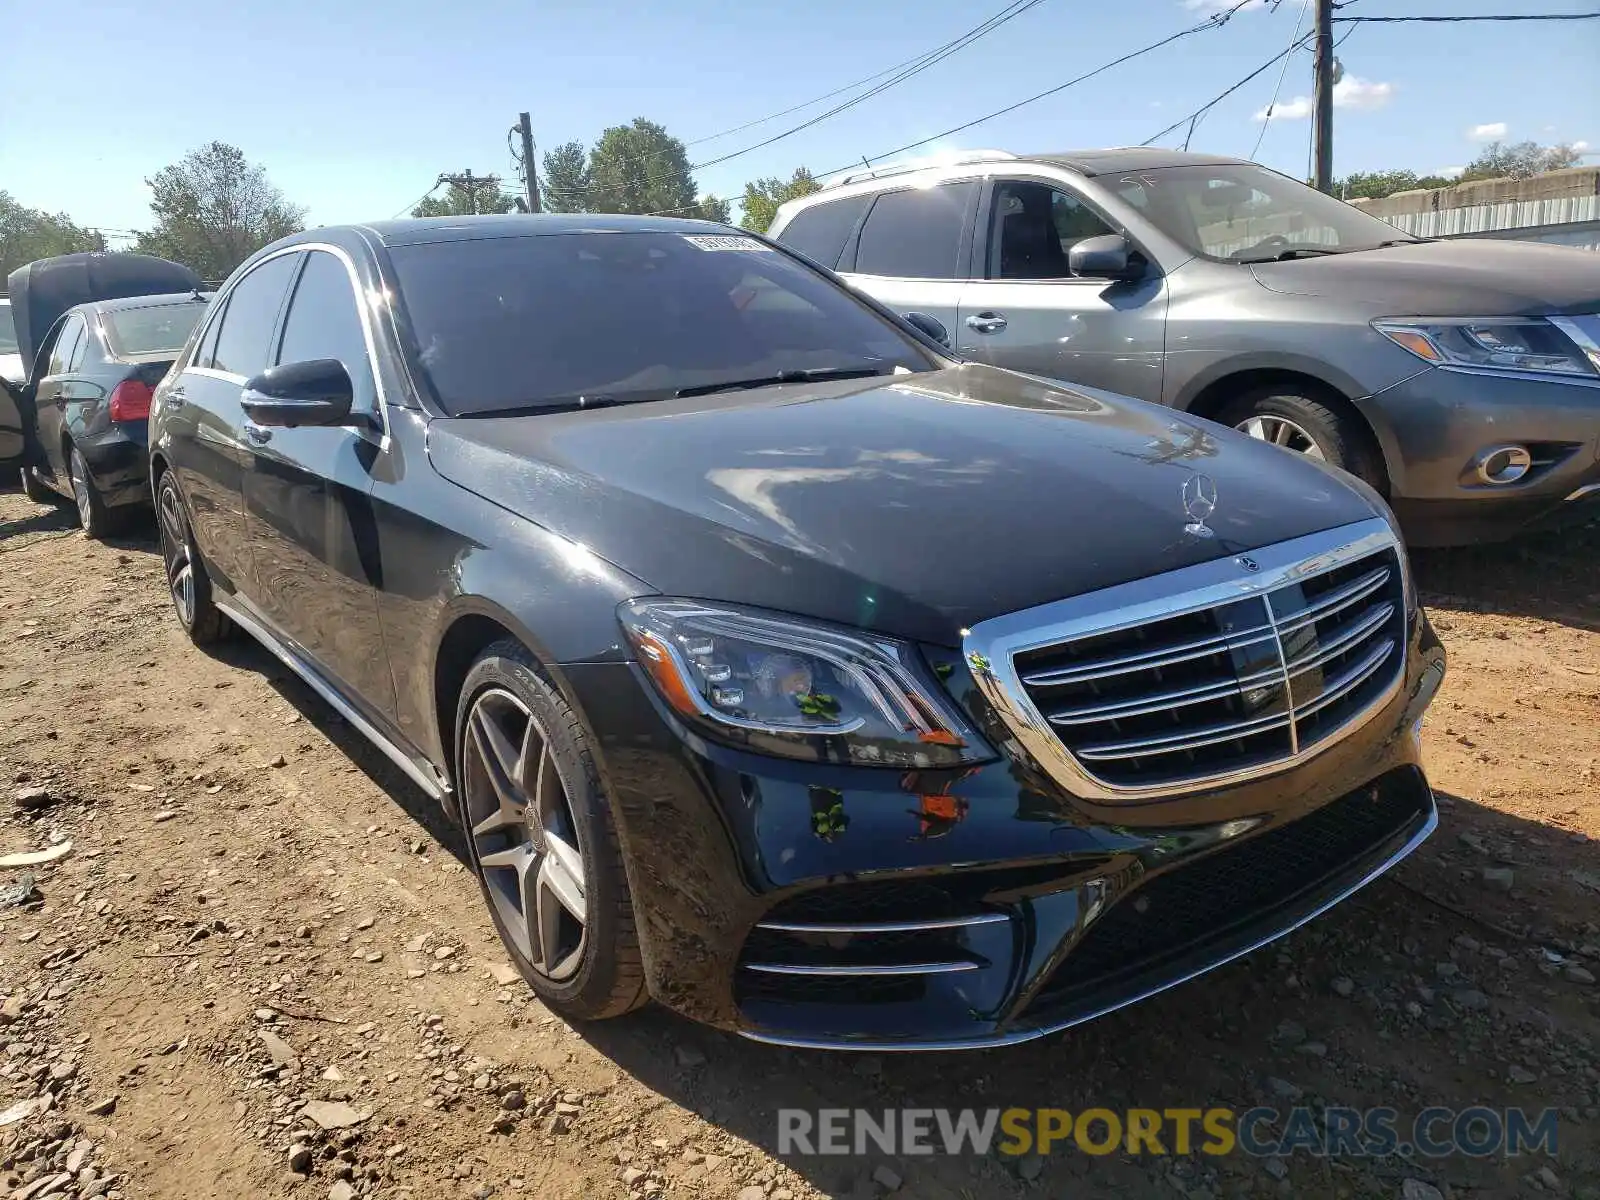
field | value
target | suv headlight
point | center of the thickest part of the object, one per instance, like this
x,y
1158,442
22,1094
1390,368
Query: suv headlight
x,y
1547,346
781,685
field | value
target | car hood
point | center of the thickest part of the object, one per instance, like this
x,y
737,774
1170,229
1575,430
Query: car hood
x,y
1464,277
916,505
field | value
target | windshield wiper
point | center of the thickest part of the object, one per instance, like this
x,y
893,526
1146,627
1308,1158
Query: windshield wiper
x,y
813,375
560,404
1297,252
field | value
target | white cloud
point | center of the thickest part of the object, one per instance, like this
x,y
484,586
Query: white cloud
x,y
1448,172
1489,132
1350,92
1580,145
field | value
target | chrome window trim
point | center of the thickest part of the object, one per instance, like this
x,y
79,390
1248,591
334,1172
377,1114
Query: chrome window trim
x,y
990,645
363,309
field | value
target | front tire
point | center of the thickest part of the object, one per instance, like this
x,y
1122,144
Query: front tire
x,y
187,581
542,842
1300,421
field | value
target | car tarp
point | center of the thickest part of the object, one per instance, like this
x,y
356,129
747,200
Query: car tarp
x,y
42,290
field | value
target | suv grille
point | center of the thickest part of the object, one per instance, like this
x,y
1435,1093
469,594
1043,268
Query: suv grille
x,y
1240,685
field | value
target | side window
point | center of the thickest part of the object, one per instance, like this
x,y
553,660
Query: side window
x,y
81,350
915,234
207,348
324,322
1033,228
820,232
61,355
244,343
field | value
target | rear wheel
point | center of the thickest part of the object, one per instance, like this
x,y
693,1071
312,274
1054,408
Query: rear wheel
x,y
187,581
1299,421
542,841
97,520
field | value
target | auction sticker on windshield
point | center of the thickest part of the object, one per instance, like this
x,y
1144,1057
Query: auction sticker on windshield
x,y
724,242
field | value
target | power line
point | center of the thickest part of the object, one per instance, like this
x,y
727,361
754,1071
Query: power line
x,y
1214,101
407,209
1282,75
1588,16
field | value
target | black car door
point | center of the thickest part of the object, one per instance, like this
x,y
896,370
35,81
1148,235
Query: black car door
x,y
52,390
307,499
206,424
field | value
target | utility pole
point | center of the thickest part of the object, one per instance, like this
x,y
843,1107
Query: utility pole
x,y
1323,134
529,171
470,183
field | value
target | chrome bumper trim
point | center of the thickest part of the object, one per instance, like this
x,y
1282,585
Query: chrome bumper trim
x,y
882,926
1027,1035
1588,489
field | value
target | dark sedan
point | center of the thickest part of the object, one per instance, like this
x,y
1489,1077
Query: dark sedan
x,y
93,403
779,665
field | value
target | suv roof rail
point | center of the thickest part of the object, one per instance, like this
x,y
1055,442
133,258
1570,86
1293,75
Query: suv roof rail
x,y
904,165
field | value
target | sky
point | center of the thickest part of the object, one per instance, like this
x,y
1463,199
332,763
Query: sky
x,y
354,107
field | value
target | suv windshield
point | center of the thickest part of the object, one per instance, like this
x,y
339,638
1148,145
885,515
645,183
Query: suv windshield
x,y
543,320
154,329
1245,213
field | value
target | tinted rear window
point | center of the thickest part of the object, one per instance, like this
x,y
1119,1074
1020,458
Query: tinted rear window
x,y
516,323
821,231
915,234
158,329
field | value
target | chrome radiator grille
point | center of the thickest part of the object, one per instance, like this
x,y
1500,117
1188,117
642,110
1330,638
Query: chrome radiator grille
x,y
1219,682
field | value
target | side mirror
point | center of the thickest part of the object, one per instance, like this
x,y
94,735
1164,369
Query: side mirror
x,y
1105,257
315,392
931,326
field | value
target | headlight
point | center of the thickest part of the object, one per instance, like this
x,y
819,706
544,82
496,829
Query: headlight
x,y
779,685
1507,343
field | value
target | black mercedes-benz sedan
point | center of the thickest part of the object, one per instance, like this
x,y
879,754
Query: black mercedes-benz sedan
x,y
777,664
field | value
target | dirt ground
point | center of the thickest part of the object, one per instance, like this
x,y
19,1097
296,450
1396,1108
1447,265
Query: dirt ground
x,y
257,910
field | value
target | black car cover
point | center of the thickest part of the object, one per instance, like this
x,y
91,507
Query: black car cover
x,y
42,290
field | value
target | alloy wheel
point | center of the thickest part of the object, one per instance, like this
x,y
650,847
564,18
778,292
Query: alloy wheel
x,y
80,489
1281,431
524,836
175,550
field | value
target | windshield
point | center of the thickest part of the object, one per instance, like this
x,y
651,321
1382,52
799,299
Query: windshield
x,y
543,320
1245,213
155,329
8,334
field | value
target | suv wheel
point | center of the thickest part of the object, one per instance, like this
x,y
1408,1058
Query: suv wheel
x,y
1299,421
187,580
541,839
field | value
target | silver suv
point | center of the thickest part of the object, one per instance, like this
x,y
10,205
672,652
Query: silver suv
x,y
1460,378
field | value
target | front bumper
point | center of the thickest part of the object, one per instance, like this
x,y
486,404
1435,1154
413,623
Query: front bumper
x,y
1435,425
748,872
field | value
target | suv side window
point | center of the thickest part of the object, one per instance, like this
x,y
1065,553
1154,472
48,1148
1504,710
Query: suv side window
x,y
61,355
916,234
81,350
1033,227
244,344
820,232
324,322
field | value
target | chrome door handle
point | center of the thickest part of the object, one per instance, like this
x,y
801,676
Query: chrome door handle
x,y
177,397
986,322
257,434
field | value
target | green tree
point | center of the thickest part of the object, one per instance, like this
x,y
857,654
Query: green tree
x,y
1519,160
458,201
762,197
214,209
1375,185
709,208
30,233
565,186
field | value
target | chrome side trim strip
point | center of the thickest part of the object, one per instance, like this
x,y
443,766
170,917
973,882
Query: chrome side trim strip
x,y
992,918
990,646
393,753
1588,489
1027,1035
933,968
